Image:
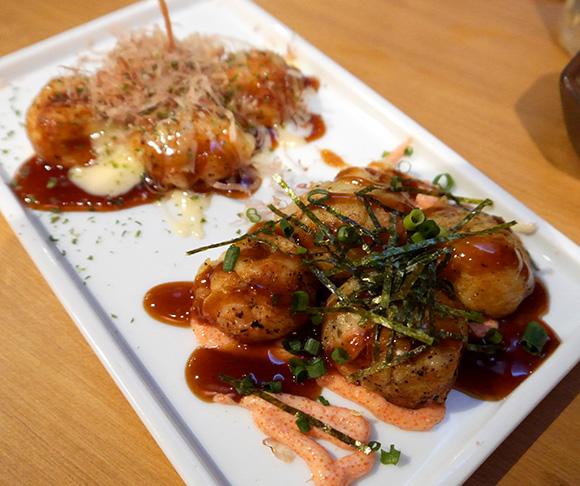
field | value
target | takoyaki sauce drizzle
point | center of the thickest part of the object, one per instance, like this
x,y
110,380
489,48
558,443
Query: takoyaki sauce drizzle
x,y
47,188
495,376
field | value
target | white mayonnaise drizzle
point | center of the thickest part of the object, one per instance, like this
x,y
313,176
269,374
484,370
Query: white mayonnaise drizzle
x,y
290,139
116,168
185,212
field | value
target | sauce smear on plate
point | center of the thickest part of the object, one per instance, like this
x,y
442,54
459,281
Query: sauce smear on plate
x,y
261,363
47,187
170,303
495,376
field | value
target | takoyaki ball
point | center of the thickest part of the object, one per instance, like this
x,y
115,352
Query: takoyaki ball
x,y
490,273
261,89
252,303
194,151
59,123
342,199
415,383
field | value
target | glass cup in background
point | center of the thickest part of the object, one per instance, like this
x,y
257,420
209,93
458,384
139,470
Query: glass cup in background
x,y
570,27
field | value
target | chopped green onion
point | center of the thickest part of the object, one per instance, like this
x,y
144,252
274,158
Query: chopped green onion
x,y
408,151
417,237
316,368
299,301
428,229
443,231
316,319
340,356
391,457
396,181
318,196
245,386
269,227
374,445
231,258
51,183
324,401
300,250
286,228
293,346
493,336
313,347
273,386
303,425
534,338
404,166
413,219
298,369
253,215
346,234
449,182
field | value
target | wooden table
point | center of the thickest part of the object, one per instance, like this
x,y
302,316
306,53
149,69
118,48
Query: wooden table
x,y
481,76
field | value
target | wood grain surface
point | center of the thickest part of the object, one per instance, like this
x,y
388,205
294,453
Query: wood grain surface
x,y
480,75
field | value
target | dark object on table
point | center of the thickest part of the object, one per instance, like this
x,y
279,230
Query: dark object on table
x,y
570,94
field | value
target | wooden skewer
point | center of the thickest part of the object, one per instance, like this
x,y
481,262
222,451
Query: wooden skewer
x,y
165,12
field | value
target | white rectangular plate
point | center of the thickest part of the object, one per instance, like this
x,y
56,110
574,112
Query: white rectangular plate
x,y
218,444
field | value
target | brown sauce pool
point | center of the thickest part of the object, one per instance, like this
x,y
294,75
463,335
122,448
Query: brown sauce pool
x,y
260,362
46,187
318,128
332,159
170,303
495,376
